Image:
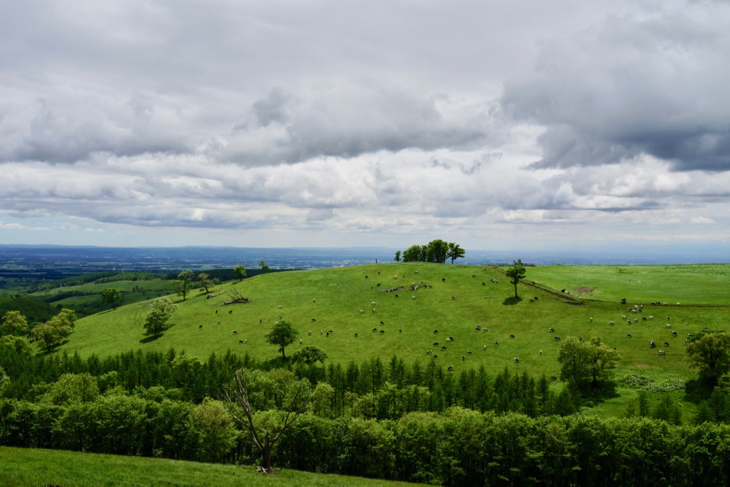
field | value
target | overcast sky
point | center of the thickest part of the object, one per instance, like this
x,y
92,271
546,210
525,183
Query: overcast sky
x,y
501,124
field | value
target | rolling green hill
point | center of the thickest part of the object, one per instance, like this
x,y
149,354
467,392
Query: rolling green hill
x,y
453,300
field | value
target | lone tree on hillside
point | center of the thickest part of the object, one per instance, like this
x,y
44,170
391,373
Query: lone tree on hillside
x,y
282,334
158,319
183,283
111,296
516,273
263,265
240,408
397,255
207,282
240,272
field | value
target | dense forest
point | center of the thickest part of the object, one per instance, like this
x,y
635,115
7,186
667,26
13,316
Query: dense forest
x,y
385,420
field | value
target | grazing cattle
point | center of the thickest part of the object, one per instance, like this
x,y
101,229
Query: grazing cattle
x,y
451,368
356,335
478,328
636,320
668,325
362,311
623,317
435,331
366,277
216,311
235,332
666,344
200,326
443,279
377,285
485,347
373,303
375,329
453,297
532,301
496,343
540,352
610,323
451,339
381,323
517,361
219,322
436,356
469,352
230,312
661,352
667,318
557,338
309,333
261,321
591,319
279,306
413,297
300,341
552,330
435,344
443,347
327,335
448,340
628,335
462,358
429,352
511,336
484,284
674,333
535,298
400,330
373,310
652,344
313,319
643,318
473,275
382,331
651,317
397,296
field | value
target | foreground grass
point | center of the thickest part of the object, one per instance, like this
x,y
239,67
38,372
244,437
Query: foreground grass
x,y
20,466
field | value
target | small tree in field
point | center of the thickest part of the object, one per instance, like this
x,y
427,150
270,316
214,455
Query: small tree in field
x,y
240,272
183,283
282,334
158,318
397,255
516,273
111,296
263,265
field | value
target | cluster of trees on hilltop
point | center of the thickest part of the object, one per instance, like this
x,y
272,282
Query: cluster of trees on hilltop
x,y
436,251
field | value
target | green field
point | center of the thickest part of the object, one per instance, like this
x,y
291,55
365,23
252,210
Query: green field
x,y
20,466
686,284
455,304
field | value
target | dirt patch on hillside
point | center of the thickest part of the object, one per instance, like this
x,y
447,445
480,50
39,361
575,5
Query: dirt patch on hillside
x,y
584,290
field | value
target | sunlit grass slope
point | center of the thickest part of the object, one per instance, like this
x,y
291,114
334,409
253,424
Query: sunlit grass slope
x,y
454,304
19,466
686,284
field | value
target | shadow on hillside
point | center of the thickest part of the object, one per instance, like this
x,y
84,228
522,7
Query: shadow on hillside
x,y
511,301
150,338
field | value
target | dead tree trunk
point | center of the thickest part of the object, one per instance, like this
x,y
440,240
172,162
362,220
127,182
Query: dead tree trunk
x,y
240,409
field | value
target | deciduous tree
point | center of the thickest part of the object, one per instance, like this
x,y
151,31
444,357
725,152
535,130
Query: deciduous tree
x,y
282,334
158,318
310,355
240,272
111,296
183,283
14,323
711,355
516,273
397,255
455,252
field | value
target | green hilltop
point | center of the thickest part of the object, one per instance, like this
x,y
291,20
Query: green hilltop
x,y
452,299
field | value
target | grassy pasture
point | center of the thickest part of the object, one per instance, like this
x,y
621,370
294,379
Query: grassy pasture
x,y
21,466
686,284
341,293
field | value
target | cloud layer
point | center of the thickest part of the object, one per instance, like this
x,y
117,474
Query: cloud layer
x,y
334,123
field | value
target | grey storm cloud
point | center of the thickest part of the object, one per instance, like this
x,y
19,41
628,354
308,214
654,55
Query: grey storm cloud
x,y
634,84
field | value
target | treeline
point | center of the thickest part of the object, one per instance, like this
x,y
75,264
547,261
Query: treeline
x,y
435,251
458,447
